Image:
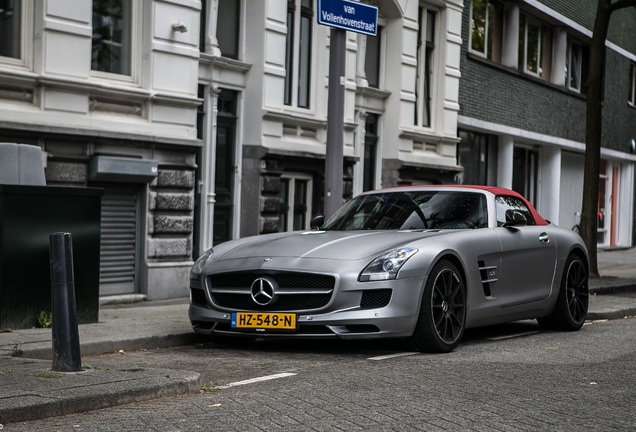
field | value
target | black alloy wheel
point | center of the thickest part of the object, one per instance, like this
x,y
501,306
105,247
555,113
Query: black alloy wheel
x,y
442,319
577,291
570,311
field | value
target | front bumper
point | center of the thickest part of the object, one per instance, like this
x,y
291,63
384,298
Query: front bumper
x,y
346,316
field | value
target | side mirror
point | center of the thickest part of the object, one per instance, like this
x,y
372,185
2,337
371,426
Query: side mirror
x,y
515,218
317,221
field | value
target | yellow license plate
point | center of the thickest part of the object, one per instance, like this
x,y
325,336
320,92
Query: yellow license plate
x,y
281,321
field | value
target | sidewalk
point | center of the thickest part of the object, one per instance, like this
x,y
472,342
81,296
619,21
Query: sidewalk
x,y
29,390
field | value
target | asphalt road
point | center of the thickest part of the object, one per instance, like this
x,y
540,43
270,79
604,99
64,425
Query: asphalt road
x,y
505,378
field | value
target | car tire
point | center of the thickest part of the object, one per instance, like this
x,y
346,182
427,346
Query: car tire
x,y
570,311
442,318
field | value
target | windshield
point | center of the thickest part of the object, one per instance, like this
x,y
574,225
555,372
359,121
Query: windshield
x,y
413,210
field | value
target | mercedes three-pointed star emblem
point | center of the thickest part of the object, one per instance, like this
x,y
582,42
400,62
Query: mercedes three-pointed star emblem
x,y
263,291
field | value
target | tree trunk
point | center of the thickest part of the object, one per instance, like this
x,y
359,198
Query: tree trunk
x,y
593,129
594,125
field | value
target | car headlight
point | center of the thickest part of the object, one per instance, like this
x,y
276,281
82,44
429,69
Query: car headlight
x,y
198,265
386,267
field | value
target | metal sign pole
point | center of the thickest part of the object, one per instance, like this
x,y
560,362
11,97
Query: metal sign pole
x,y
335,122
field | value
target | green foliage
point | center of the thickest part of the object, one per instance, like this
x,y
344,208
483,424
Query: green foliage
x,y
209,387
45,319
16,351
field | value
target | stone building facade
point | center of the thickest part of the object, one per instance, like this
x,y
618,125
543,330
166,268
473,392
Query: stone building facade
x,y
108,91
205,121
264,77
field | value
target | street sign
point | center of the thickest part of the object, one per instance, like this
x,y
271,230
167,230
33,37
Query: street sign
x,y
349,15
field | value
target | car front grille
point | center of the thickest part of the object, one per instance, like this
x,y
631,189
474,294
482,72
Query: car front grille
x,y
294,291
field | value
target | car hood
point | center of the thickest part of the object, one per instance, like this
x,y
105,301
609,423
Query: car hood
x,y
341,245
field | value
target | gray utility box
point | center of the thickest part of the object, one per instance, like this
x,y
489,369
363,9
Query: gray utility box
x,y
28,215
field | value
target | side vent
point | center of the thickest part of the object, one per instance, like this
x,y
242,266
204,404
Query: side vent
x,y
488,276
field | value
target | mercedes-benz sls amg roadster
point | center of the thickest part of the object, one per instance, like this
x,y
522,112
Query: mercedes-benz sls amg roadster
x,y
419,263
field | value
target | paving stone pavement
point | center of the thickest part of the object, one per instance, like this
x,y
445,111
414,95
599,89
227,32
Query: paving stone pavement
x,y
30,390
542,382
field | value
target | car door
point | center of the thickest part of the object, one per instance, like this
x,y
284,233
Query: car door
x,y
528,256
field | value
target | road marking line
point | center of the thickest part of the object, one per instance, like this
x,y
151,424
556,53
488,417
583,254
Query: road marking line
x,y
253,380
513,336
390,356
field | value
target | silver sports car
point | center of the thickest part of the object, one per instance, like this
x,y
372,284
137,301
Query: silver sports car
x,y
418,263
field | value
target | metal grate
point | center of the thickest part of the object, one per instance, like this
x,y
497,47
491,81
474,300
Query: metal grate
x,y
118,241
375,298
239,285
284,280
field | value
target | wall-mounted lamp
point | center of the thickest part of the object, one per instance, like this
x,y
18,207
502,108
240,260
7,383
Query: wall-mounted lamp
x,y
632,146
180,27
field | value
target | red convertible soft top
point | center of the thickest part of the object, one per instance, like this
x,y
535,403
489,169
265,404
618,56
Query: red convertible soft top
x,y
496,191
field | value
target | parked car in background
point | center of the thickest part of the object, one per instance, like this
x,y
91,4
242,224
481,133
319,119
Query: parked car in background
x,y
419,263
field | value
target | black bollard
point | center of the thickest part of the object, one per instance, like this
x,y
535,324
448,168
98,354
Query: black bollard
x,y
66,347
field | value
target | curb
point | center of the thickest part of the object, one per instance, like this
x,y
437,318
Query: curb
x,y
613,289
611,315
43,351
70,394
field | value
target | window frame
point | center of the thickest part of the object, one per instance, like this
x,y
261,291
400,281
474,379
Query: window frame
x,y
485,31
132,77
236,35
571,44
374,63
291,178
299,72
23,61
426,64
525,21
370,154
631,100
493,27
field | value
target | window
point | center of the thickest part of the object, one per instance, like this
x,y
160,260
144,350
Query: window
x,y
412,211
486,29
525,172
10,28
632,83
112,36
294,198
425,50
576,64
370,152
299,40
203,16
227,29
503,203
535,42
574,59
604,202
372,59
472,155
